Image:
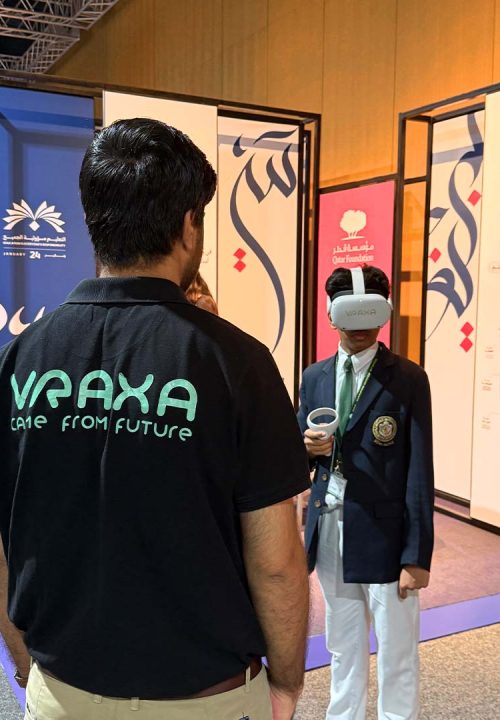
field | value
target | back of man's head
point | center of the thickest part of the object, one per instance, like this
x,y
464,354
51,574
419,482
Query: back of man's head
x,y
376,281
138,180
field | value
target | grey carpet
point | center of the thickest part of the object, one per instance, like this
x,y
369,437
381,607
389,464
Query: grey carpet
x,y
9,707
460,680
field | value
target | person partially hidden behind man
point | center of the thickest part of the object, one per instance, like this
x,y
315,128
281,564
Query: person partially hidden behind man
x,y
148,521
199,294
369,529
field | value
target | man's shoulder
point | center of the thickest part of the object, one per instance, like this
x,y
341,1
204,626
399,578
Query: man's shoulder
x,y
216,333
224,333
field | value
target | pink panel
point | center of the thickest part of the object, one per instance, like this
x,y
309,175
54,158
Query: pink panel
x,y
356,227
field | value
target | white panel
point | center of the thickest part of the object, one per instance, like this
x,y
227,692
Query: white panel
x,y
258,238
199,122
485,501
451,302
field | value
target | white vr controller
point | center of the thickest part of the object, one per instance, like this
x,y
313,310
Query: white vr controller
x,y
326,427
358,310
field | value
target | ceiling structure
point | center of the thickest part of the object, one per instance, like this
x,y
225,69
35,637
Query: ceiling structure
x,y
34,34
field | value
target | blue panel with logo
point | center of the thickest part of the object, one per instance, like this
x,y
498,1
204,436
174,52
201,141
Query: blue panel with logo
x,y
44,245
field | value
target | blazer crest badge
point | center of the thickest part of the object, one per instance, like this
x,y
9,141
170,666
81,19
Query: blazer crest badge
x,y
384,430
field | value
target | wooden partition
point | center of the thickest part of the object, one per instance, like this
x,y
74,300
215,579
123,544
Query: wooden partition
x,y
357,62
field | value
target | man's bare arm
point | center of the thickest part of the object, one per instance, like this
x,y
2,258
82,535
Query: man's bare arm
x,y
277,574
10,634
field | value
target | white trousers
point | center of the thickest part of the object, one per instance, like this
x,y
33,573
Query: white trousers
x,y
349,609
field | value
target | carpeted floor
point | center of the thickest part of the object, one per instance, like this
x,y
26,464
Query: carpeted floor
x,y
9,707
466,565
460,680
459,673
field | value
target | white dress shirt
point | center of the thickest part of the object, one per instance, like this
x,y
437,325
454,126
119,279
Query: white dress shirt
x,y
360,365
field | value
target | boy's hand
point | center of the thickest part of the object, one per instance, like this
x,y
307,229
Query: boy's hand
x,y
412,578
317,443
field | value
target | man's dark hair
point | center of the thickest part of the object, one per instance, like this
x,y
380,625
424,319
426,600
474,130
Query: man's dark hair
x,y
376,281
138,179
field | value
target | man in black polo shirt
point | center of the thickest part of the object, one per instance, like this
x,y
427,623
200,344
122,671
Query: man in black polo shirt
x,y
145,503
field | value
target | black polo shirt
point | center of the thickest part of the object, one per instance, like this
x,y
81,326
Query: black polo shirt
x,y
134,428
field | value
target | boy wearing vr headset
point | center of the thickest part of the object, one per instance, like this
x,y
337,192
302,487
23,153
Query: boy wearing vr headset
x,y
369,530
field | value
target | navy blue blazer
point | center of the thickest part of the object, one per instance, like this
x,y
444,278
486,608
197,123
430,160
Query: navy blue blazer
x,y
389,498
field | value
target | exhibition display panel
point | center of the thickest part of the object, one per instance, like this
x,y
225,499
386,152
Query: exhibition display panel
x,y
450,151
45,248
356,227
259,248
485,494
452,291
259,229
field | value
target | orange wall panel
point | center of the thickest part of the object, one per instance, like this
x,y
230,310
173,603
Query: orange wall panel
x,y
187,44
295,46
358,62
244,50
358,89
118,49
496,43
129,45
444,48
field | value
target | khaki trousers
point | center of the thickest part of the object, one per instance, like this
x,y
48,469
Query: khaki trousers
x,y
49,699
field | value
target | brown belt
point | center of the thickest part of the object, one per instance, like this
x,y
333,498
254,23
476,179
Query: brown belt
x,y
225,686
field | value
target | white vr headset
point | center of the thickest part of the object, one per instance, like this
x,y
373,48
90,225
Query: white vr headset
x,y
358,309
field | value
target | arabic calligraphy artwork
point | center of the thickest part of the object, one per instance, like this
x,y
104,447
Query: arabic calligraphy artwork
x,y
451,303
258,233
454,216
356,227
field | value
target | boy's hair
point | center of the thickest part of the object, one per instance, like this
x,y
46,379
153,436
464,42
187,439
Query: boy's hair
x,y
376,281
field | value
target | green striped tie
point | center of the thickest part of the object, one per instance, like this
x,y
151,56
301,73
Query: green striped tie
x,y
344,404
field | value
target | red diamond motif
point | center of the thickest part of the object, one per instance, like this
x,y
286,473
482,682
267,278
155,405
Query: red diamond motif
x,y
466,344
474,197
240,266
435,255
467,329
240,253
